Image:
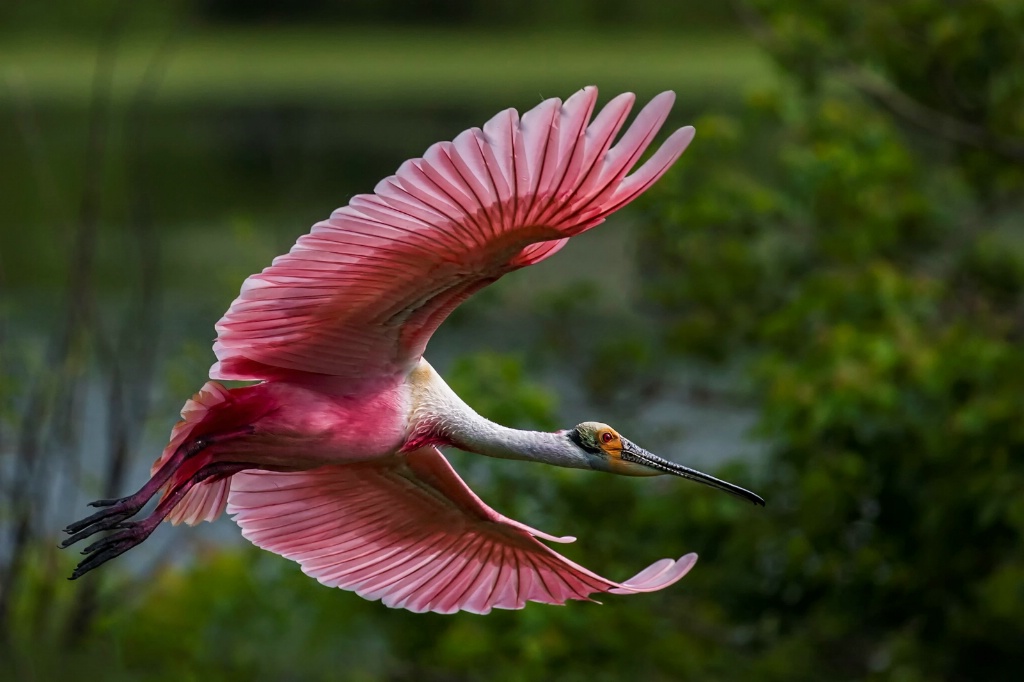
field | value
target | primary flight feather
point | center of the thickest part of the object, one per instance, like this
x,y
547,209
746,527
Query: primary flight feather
x,y
332,458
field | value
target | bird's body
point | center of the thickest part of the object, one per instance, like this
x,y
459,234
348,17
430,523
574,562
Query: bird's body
x,y
332,458
306,425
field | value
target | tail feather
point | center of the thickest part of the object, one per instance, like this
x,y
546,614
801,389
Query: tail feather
x,y
207,500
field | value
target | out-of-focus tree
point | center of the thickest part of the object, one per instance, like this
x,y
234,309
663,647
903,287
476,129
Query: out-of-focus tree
x,y
857,239
42,425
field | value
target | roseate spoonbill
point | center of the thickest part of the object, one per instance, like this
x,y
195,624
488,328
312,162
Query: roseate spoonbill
x,y
332,458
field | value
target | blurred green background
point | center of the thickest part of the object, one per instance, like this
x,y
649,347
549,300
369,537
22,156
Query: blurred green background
x,y
823,301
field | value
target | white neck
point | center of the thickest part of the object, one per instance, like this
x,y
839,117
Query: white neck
x,y
438,412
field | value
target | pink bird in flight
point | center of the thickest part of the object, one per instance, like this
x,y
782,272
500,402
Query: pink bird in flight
x,y
331,459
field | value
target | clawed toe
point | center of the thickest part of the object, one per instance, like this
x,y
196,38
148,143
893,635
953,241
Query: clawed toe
x,y
111,522
111,516
119,511
127,536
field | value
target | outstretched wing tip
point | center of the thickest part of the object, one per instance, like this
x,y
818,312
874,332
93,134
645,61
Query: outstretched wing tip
x,y
658,576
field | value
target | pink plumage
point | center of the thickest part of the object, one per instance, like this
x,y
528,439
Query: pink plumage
x,y
413,535
204,502
360,296
331,459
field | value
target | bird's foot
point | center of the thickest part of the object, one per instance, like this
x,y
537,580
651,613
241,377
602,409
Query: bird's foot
x,y
113,512
128,535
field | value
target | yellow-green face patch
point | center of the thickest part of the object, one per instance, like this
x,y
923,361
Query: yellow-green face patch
x,y
598,437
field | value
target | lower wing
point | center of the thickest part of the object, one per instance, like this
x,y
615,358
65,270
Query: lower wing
x,y
411,533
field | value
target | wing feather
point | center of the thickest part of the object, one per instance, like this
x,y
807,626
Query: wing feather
x,y
361,294
411,533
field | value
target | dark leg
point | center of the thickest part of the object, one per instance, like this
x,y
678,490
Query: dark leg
x,y
132,533
117,510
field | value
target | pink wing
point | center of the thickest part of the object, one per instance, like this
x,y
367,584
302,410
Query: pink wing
x,y
362,293
411,533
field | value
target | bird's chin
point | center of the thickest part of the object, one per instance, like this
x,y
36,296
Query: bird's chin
x,y
624,468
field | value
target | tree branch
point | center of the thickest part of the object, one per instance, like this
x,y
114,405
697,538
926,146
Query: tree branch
x,y
943,125
893,100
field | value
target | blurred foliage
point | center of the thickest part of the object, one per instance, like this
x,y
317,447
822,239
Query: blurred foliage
x,y
951,69
852,242
502,392
863,259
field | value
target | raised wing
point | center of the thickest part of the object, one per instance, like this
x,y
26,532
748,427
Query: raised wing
x,y
360,296
411,533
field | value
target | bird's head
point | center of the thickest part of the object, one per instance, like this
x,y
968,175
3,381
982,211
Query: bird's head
x,y
607,450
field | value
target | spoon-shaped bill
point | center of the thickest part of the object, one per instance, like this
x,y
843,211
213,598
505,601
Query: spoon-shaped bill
x,y
631,452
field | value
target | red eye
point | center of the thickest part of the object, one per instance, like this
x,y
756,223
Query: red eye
x,y
606,437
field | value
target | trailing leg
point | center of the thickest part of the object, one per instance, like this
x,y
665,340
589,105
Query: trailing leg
x,y
117,510
190,472
131,533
